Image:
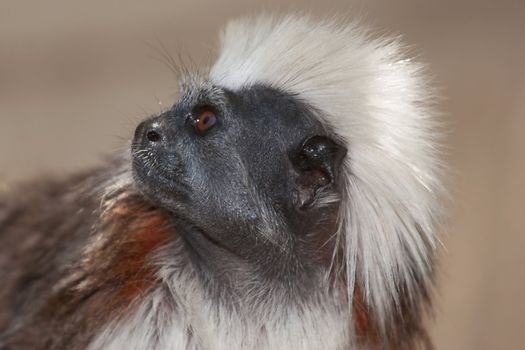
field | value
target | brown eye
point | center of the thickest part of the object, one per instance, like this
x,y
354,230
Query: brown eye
x,y
205,121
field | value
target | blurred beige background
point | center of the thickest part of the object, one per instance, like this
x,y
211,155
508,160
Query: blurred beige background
x,y
76,77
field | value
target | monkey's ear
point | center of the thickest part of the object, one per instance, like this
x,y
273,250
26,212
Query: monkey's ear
x,y
317,162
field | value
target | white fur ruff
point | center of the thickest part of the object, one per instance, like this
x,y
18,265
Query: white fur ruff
x,y
181,316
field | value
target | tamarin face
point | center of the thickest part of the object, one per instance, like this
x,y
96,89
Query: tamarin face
x,y
250,172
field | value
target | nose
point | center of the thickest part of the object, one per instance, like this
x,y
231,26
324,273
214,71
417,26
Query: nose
x,y
149,133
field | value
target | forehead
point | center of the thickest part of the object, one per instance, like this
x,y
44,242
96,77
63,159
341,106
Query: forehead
x,y
196,90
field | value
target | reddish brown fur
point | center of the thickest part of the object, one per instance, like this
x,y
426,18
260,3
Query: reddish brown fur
x,y
142,229
366,330
147,234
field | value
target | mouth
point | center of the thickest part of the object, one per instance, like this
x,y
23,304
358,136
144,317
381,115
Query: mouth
x,y
154,179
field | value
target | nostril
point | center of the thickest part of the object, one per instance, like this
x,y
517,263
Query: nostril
x,y
153,136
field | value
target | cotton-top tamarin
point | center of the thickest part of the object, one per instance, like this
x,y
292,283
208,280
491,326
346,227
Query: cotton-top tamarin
x,y
288,200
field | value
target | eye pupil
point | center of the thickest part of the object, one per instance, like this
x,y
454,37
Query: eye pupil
x,y
205,121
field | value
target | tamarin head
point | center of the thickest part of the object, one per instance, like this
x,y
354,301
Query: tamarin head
x,y
307,152
251,170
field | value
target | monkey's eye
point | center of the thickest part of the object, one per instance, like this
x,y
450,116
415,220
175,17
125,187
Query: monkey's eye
x,y
204,122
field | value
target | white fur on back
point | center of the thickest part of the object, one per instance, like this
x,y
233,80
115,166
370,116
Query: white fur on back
x,y
378,102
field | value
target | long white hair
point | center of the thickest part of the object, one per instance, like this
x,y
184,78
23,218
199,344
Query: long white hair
x,y
380,104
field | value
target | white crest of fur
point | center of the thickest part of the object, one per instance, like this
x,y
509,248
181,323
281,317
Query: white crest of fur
x,y
378,103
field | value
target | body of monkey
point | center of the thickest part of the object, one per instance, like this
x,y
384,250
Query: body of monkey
x,y
289,199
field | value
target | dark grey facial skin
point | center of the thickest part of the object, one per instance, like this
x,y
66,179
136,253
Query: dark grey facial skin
x,y
246,193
